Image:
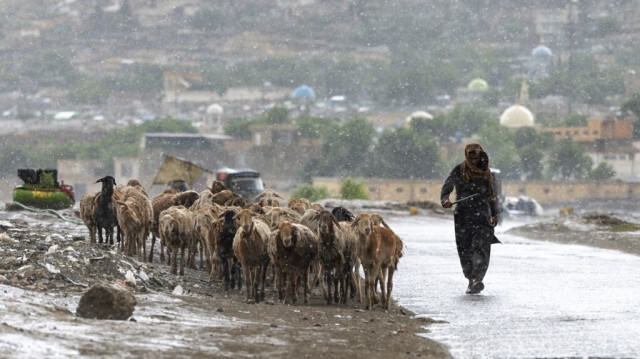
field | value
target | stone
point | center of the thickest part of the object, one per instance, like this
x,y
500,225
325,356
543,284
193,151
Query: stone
x,y
106,301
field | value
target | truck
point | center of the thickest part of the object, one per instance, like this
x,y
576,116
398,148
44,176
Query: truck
x,y
41,189
245,182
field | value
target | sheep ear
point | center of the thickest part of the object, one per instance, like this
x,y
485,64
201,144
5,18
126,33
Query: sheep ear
x,y
355,223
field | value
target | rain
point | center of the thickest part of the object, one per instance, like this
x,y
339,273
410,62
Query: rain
x,y
363,104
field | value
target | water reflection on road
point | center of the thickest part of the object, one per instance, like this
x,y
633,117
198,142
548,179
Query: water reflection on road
x,y
541,299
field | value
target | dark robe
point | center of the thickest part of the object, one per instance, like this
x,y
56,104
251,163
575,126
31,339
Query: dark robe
x,y
472,217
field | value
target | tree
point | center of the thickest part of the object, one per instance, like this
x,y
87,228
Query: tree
x,y
568,160
404,154
346,149
602,172
351,189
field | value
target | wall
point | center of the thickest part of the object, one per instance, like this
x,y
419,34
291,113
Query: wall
x,y
429,190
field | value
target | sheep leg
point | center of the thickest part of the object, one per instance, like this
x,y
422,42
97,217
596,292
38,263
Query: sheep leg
x,y
226,274
247,279
305,282
99,234
153,243
182,248
383,290
327,281
173,267
336,288
279,280
369,282
263,279
389,285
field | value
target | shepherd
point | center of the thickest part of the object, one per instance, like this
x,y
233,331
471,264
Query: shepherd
x,y
475,214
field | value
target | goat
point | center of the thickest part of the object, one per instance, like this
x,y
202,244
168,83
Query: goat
x,y
337,255
292,249
134,211
221,237
104,212
268,197
277,214
165,200
342,214
175,232
250,247
87,206
379,250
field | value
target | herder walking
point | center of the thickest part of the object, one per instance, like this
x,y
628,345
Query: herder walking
x,y
475,214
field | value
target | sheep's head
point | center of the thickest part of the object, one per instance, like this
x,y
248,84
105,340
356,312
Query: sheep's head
x,y
107,181
326,220
286,234
186,198
363,224
244,220
342,214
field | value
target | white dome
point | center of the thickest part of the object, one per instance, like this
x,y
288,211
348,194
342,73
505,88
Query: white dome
x,y
214,109
421,114
517,116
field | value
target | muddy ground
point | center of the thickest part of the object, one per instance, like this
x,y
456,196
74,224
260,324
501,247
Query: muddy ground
x,y
46,264
608,231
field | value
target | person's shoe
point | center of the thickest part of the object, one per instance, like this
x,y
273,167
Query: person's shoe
x,y
476,287
469,290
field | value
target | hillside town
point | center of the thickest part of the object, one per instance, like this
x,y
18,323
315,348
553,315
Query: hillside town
x,y
90,67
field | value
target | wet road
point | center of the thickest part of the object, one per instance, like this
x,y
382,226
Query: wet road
x,y
541,299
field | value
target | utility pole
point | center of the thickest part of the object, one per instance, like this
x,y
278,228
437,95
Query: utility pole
x,y
571,31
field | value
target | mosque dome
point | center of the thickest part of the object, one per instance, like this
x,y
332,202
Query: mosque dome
x,y
478,84
214,109
517,116
417,114
542,52
303,91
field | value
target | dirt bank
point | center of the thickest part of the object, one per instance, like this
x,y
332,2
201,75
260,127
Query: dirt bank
x,y
47,264
607,231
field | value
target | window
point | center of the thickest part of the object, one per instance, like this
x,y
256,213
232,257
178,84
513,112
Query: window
x,y
126,170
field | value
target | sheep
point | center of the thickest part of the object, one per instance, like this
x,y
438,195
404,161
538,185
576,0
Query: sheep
x,y
342,214
87,206
277,214
164,200
175,227
268,197
292,249
104,212
221,236
223,197
377,220
203,219
310,219
135,218
250,247
299,205
337,255
379,250
217,186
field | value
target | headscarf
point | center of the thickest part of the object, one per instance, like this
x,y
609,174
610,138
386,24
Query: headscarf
x,y
470,171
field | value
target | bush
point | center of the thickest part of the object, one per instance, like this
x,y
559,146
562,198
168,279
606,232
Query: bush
x,y
311,193
352,190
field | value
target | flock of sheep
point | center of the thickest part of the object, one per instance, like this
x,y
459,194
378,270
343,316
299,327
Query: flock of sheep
x,y
294,247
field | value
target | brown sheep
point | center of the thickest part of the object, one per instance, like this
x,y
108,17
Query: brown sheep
x,y
292,249
378,251
278,214
250,247
175,232
165,200
268,197
142,209
203,219
337,253
87,203
134,230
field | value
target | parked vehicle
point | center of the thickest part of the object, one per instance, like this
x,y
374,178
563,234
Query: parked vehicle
x,y
42,190
245,182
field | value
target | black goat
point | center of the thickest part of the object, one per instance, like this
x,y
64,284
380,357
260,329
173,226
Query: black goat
x,y
342,214
104,212
223,231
